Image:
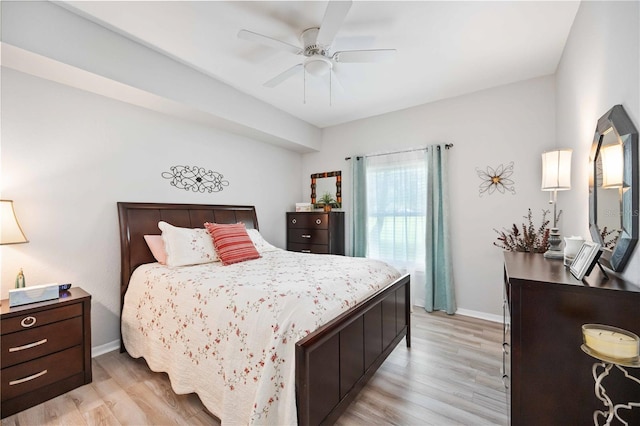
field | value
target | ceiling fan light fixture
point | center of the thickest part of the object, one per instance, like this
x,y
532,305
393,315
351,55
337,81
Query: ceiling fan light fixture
x,y
318,65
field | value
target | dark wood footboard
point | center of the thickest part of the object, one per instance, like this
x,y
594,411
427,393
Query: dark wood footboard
x,y
337,360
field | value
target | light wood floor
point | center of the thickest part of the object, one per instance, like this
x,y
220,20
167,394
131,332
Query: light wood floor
x,y
450,376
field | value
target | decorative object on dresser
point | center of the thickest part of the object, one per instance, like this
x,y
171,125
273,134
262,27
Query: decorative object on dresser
x,y
556,176
316,232
11,232
545,370
613,187
613,347
585,260
46,349
530,239
572,246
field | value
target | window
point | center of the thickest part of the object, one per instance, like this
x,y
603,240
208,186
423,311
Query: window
x,y
396,209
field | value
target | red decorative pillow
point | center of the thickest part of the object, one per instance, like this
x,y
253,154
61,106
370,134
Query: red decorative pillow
x,y
232,242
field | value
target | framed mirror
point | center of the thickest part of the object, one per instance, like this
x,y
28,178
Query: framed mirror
x,y
613,187
326,183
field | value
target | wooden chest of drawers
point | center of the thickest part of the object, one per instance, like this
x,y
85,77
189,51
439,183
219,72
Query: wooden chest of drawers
x,y
46,349
315,232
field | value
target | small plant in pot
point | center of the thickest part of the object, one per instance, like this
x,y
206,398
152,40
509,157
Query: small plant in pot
x,y
326,201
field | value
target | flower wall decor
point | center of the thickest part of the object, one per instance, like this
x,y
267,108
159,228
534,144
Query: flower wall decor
x,y
496,179
195,179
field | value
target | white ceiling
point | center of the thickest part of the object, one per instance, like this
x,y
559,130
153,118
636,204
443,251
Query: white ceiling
x,y
444,48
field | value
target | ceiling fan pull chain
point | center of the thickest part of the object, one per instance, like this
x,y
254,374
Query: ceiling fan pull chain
x,y
304,86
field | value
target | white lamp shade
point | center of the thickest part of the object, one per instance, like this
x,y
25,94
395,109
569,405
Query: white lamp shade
x,y
612,165
10,231
556,170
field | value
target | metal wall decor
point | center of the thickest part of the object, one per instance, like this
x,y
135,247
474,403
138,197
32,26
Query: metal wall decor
x,y
496,179
195,179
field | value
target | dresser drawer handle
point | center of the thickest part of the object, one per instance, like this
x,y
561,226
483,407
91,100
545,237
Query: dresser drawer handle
x,y
305,236
505,381
294,221
26,379
30,345
28,322
318,221
305,251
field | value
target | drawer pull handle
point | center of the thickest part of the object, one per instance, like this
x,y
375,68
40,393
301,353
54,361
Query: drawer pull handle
x,y
30,345
505,381
305,236
28,322
294,221
305,251
26,379
318,221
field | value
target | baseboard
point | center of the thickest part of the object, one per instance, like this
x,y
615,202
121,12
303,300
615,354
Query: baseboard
x,y
470,313
480,315
103,349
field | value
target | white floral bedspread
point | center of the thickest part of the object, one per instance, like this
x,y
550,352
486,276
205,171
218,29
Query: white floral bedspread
x,y
228,333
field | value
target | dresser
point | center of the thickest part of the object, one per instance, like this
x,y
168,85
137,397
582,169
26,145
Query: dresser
x,y
46,349
316,232
547,376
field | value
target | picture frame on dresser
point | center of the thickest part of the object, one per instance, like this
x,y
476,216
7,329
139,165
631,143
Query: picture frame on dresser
x,y
585,260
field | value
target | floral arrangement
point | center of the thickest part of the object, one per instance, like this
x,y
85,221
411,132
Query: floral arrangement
x,y
609,238
528,238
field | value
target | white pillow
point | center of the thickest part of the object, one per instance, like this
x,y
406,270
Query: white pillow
x,y
187,246
261,244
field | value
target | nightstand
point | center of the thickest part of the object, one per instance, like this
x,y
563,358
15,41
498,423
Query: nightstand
x,y
46,349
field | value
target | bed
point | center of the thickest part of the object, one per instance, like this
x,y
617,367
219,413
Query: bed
x,y
331,363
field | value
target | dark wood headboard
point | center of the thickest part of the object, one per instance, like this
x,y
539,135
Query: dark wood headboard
x,y
140,219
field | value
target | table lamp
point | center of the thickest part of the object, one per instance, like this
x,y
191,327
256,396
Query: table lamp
x,y
556,176
11,232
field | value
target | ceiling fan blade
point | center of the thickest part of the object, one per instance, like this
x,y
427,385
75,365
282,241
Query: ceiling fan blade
x,y
332,21
283,76
268,41
375,55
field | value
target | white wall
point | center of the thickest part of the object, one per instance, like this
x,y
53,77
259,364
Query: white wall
x,y
509,123
47,29
600,67
68,156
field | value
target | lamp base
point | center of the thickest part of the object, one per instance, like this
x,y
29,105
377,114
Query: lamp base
x,y
554,252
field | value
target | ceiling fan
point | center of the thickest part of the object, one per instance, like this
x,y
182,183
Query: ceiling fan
x,y
316,46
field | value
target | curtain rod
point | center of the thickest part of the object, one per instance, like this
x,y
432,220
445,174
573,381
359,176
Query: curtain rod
x,y
447,146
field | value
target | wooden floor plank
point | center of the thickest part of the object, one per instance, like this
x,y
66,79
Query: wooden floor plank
x,y
450,376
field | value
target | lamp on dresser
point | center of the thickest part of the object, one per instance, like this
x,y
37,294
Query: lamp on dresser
x,y
556,176
11,232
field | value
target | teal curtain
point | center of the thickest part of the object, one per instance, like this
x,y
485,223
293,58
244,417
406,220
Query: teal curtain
x,y
439,272
359,191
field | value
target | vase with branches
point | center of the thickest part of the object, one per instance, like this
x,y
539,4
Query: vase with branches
x,y
528,237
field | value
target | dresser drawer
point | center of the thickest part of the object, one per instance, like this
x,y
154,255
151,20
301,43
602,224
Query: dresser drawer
x,y
26,345
312,221
308,248
29,376
309,236
37,319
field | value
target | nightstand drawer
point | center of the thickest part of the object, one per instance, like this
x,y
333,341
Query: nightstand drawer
x,y
29,344
29,376
315,221
37,319
309,236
